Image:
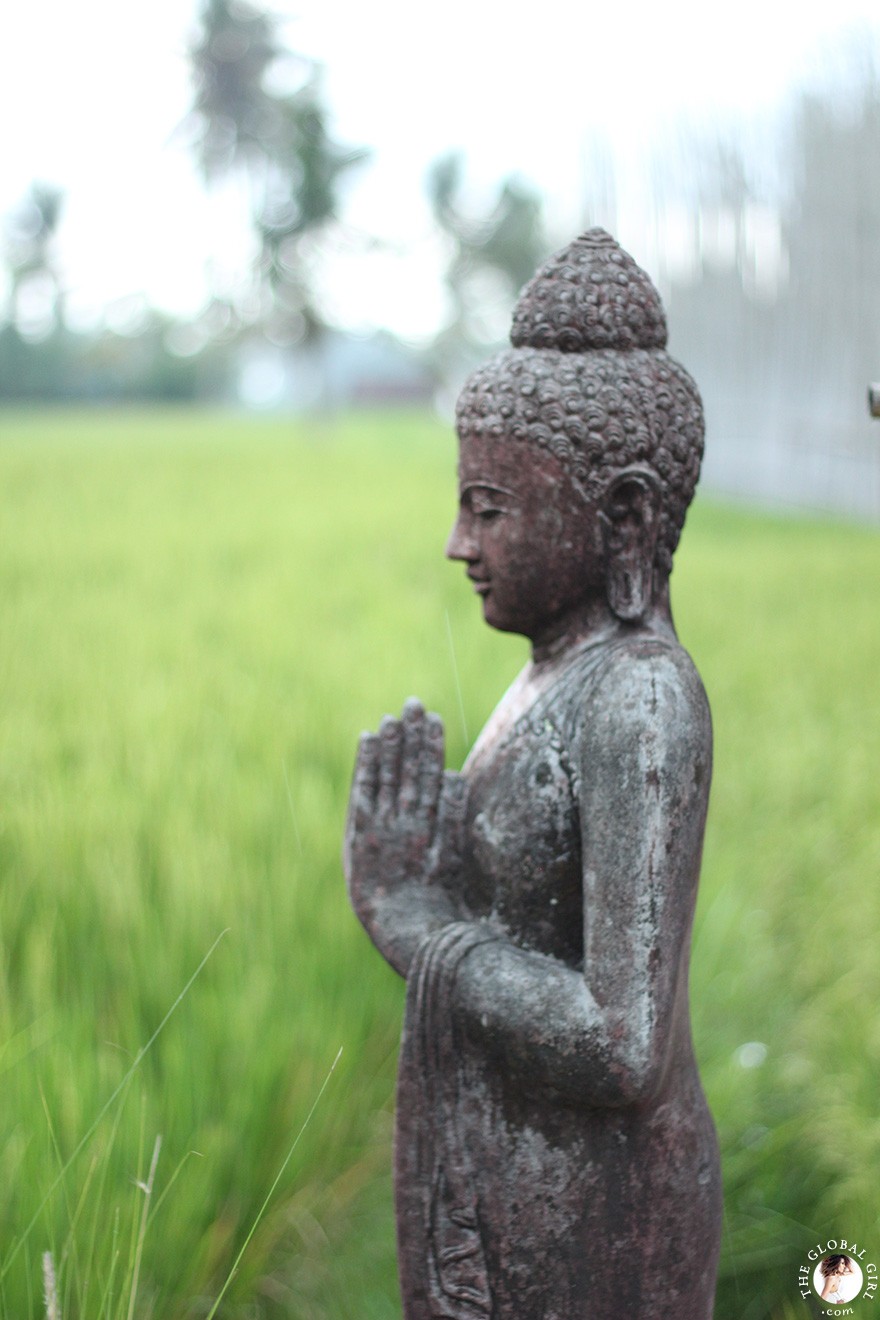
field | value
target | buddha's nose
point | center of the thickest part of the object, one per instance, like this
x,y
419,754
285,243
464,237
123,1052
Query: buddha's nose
x,y
461,543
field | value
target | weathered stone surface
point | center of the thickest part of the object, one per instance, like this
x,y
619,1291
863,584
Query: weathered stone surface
x,y
555,1158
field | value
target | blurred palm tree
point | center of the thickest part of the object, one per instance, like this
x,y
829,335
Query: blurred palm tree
x,y
258,115
35,296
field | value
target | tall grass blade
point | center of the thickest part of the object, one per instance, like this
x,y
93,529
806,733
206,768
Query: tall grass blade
x,y
147,1189
262,1210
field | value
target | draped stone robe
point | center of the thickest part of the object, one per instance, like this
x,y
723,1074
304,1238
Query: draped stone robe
x,y
554,1155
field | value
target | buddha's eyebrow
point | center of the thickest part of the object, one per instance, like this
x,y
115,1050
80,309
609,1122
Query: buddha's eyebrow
x,y
488,486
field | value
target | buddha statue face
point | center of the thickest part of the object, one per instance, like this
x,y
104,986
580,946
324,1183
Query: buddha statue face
x,y
529,535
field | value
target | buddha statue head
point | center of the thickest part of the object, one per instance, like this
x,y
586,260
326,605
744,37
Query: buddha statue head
x,y
588,407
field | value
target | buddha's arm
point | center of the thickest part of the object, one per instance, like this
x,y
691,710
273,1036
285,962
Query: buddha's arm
x,y
602,1037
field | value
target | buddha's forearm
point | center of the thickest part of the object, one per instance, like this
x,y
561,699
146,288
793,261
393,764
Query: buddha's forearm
x,y
541,1020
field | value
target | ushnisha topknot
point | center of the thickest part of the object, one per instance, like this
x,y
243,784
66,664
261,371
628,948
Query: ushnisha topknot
x,y
590,295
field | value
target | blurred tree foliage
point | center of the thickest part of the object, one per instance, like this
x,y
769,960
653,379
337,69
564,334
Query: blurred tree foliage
x,y
492,255
41,358
258,115
34,287
108,366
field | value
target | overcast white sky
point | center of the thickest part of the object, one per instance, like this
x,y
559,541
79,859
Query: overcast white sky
x,y
92,93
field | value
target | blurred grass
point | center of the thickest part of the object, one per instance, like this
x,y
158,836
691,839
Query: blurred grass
x,y
199,614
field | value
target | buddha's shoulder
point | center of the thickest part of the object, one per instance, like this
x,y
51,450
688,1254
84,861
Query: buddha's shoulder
x,y
639,677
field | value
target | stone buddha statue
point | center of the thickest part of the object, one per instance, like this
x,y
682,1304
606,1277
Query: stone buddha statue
x,y
555,1156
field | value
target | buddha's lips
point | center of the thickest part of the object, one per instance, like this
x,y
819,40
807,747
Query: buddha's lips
x,y
480,585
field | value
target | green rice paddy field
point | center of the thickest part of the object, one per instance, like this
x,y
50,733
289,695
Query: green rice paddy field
x,y
199,614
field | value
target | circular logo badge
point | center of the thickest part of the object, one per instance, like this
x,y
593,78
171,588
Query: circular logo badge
x,y
839,1274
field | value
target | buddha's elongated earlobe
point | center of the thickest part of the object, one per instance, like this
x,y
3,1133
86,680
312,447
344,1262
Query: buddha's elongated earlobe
x,y
630,518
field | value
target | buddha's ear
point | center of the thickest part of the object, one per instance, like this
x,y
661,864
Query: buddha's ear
x,y
630,518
